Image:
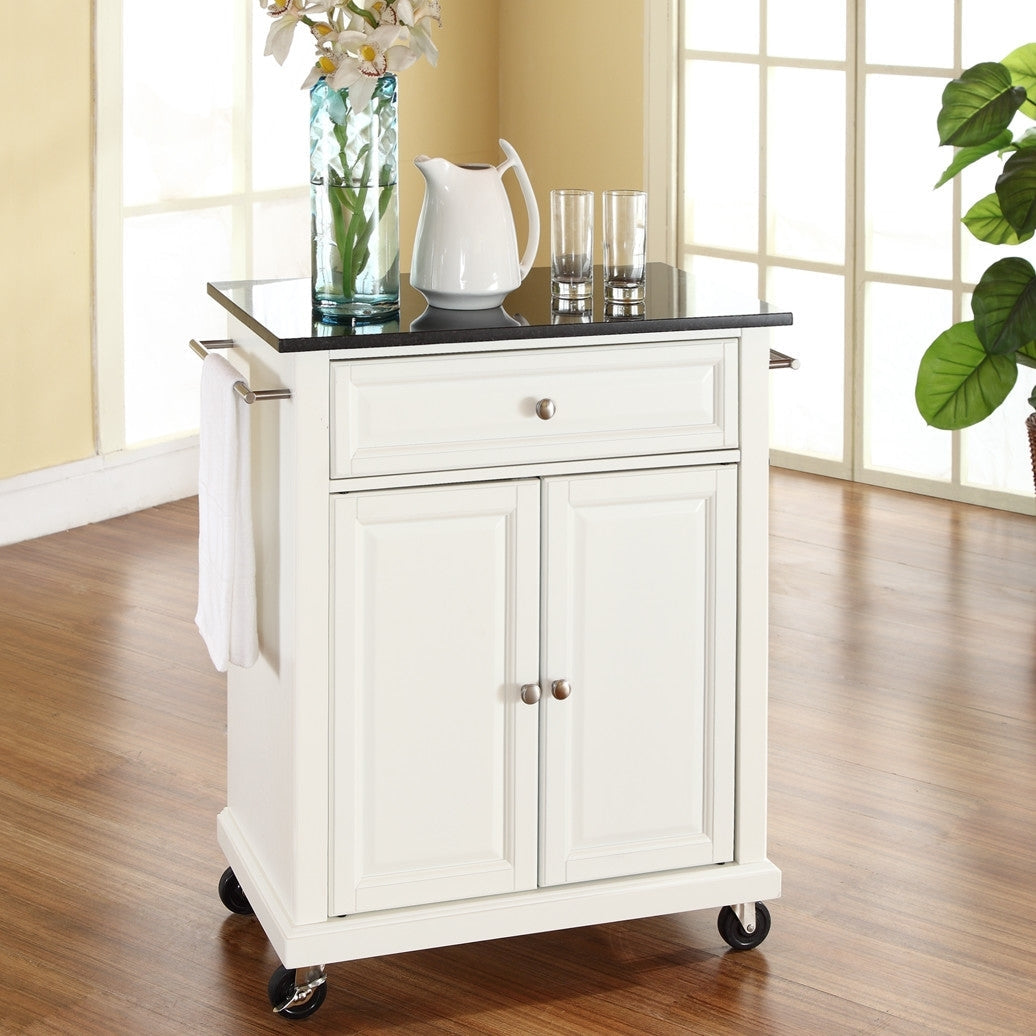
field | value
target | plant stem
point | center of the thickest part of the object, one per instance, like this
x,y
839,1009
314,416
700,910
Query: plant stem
x,y
367,16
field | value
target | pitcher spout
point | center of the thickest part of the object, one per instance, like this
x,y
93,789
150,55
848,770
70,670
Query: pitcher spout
x,y
431,168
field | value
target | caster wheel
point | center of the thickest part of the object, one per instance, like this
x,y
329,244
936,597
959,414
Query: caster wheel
x,y
232,895
735,936
281,988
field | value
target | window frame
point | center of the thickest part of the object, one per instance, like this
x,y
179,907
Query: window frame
x,y
111,213
856,277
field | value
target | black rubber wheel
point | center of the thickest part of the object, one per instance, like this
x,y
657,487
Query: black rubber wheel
x,y
232,895
735,936
282,986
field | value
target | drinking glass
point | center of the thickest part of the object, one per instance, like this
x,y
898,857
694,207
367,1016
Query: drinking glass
x,y
571,244
624,224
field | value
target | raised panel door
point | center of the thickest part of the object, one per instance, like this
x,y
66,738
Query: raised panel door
x,y
435,629
639,619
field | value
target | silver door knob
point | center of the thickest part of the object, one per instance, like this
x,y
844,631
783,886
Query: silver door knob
x,y
561,689
545,409
531,693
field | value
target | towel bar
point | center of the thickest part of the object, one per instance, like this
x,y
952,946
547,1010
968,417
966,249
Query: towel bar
x,y
248,395
780,361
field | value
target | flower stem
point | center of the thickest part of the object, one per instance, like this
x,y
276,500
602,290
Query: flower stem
x,y
367,16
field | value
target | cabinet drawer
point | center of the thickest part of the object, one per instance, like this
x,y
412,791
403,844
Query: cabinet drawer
x,y
448,412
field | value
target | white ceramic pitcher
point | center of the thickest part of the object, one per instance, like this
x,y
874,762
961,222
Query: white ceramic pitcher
x,y
466,248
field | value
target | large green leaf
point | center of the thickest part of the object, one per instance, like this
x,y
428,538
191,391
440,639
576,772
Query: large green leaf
x,y
1021,63
1027,354
986,222
966,155
1004,304
1016,189
979,105
958,382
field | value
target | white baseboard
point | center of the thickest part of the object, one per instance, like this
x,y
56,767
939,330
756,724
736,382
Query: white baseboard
x,y
43,502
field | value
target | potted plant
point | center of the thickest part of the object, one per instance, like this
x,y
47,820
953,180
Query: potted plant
x,y
968,371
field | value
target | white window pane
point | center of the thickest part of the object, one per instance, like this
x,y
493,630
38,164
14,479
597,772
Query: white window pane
x,y
281,239
808,404
731,26
918,33
806,29
991,29
806,184
280,112
720,171
995,453
909,226
167,260
177,140
714,279
900,323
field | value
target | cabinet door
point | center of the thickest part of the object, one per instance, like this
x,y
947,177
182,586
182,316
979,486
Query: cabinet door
x,y
639,619
435,612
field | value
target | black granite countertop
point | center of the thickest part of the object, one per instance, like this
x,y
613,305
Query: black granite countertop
x,y
280,313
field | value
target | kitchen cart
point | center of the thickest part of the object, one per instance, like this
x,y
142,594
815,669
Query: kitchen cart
x,y
512,608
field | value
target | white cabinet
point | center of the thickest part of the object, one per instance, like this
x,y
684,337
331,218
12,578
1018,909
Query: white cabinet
x,y
436,626
512,624
439,788
639,619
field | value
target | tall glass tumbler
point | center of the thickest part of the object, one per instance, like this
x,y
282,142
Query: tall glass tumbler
x,y
624,224
571,244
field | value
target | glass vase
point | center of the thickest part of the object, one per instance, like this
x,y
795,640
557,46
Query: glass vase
x,y
354,204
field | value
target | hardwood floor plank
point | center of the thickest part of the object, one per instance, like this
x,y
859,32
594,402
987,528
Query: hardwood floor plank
x,y
902,807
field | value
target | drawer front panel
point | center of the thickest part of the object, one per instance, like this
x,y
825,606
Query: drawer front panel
x,y
444,413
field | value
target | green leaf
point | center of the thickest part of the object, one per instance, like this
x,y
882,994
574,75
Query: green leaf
x,y
1004,304
958,382
986,222
1027,355
966,155
1016,189
979,105
1021,64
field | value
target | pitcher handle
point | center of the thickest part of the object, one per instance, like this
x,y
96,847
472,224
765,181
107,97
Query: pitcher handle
x,y
513,161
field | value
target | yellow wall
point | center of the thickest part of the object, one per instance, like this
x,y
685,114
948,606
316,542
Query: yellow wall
x,y
566,90
572,97
46,366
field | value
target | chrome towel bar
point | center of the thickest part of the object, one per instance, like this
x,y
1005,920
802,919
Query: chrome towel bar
x,y
201,348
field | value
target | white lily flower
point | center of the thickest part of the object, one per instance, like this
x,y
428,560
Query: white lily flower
x,y
386,12
428,9
286,14
355,49
278,41
423,45
357,61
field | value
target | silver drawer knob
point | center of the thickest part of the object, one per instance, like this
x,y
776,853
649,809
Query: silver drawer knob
x,y
561,689
531,693
545,409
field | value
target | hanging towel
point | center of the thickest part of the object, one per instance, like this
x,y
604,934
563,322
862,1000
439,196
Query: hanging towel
x,y
226,550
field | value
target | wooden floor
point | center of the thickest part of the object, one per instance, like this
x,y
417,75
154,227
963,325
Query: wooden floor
x,y
903,806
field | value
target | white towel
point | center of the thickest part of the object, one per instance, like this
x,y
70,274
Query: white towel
x,y
226,549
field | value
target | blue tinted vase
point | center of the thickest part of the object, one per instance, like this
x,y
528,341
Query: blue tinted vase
x,y
354,204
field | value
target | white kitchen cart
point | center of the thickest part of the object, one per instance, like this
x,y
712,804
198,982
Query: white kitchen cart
x,y
512,589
